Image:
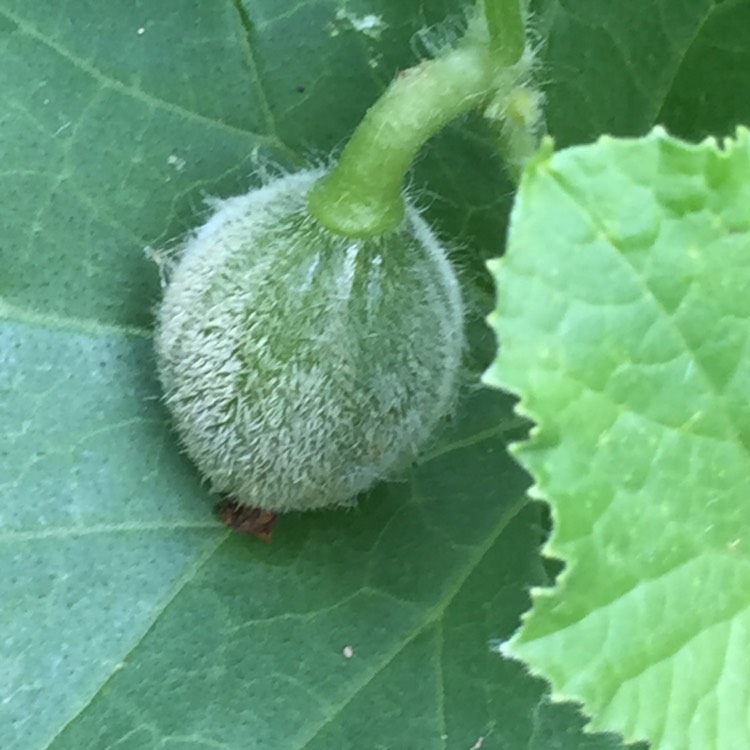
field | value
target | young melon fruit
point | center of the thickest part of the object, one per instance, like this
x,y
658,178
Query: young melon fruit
x,y
301,366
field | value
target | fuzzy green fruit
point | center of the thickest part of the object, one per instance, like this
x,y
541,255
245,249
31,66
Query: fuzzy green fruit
x,y
301,366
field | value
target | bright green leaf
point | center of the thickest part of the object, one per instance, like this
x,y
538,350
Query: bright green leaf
x,y
623,316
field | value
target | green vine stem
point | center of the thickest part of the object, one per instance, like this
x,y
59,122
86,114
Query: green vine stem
x,y
507,30
361,197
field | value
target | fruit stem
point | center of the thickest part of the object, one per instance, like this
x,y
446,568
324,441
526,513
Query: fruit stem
x,y
361,197
505,23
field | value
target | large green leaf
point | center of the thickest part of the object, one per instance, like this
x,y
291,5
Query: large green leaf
x,y
129,616
620,68
624,316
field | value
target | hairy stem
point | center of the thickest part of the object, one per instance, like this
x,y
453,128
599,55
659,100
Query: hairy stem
x,y
361,197
507,30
